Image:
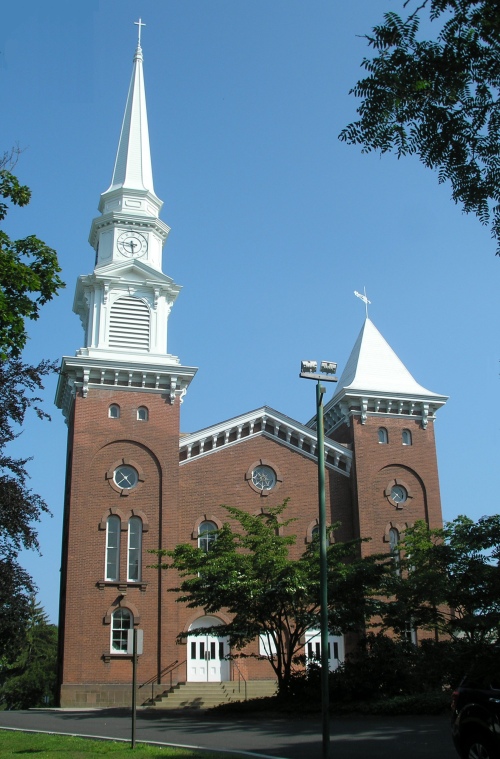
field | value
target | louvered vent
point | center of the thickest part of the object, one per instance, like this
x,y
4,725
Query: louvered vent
x,y
129,324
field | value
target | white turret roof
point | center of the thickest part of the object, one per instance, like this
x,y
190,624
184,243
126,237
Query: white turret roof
x,y
376,382
133,160
374,367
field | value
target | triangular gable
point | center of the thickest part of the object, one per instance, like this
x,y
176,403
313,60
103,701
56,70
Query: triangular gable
x,y
133,269
269,423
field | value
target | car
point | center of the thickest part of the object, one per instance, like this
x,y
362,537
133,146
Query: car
x,y
476,712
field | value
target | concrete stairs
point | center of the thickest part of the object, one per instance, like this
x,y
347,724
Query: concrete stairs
x,y
206,695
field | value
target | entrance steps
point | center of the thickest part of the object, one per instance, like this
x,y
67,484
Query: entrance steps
x,y
206,695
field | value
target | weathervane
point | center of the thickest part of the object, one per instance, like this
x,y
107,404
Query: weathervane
x,y
139,24
363,298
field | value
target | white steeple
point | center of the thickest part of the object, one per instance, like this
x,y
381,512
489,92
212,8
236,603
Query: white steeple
x,y
129,227
375,381
125,303
133,160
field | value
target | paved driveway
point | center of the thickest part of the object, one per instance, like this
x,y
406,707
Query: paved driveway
x,y
352,737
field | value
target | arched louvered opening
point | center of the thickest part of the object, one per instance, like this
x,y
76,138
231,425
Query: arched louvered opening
x,y
129,324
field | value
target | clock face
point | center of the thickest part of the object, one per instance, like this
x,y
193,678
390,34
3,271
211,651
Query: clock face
x,y
132,244
126,477
264,478
398,494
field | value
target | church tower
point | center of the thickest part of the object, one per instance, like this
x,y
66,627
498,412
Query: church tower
x,y
387,419
120,396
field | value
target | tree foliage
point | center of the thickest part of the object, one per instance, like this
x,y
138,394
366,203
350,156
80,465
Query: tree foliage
x,y
28,279
250,574
31,677
438,98
449,580
28,269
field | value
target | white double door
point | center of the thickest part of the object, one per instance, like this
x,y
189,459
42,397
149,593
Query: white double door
x,y
206,662
335,649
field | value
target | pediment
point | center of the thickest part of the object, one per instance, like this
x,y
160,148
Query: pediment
x,y
134,271
271,424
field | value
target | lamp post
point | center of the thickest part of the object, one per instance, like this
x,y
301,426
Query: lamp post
x,y
326,374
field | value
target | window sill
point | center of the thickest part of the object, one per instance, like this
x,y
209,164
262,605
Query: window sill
x,y
107,656
122,586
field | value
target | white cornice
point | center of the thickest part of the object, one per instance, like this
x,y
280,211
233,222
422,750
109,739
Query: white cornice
x,y
347,403
134,222
82,373
271,424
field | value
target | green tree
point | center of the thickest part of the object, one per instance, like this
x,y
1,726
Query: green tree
x,y
250,574
31,677
449,580
438,98
28,279
29,270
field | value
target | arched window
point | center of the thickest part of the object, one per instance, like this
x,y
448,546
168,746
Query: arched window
x,y
394,546
207,535
406,435
315,531
134,549
114,411
142,414
121,623
112,548
383,437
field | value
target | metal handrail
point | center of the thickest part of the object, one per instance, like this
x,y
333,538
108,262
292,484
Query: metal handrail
x,y
241,677
157,677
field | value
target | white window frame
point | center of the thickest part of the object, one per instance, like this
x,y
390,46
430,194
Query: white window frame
x,y
134,552
204,535
406,437
142,414
112,576
394,538
114,407
121,614
383,436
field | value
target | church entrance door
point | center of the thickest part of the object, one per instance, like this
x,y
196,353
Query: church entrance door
x,y
335,649
206,662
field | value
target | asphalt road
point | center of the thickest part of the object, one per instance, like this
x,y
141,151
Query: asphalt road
x,y
352,737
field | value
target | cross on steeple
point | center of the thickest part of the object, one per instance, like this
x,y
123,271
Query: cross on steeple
x,y
139,24
362,296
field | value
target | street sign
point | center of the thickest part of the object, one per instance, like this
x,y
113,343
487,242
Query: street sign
x,y
130,642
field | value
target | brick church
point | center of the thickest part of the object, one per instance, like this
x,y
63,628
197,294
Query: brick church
x,y
135,483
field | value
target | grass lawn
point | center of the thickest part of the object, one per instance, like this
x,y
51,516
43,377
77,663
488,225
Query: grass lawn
x,y
15,744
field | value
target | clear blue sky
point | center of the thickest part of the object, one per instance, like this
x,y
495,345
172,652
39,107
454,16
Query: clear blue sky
x,y
274,222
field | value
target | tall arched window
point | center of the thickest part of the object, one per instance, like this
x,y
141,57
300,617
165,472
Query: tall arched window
x,y
383,436
406,435
134,549
114,411
394,546
207,535
121,623
112,548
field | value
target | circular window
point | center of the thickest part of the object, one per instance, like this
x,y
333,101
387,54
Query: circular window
x,y
263,477
399,494
126,477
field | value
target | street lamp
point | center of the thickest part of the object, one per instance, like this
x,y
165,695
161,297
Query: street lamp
x,y
326,374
